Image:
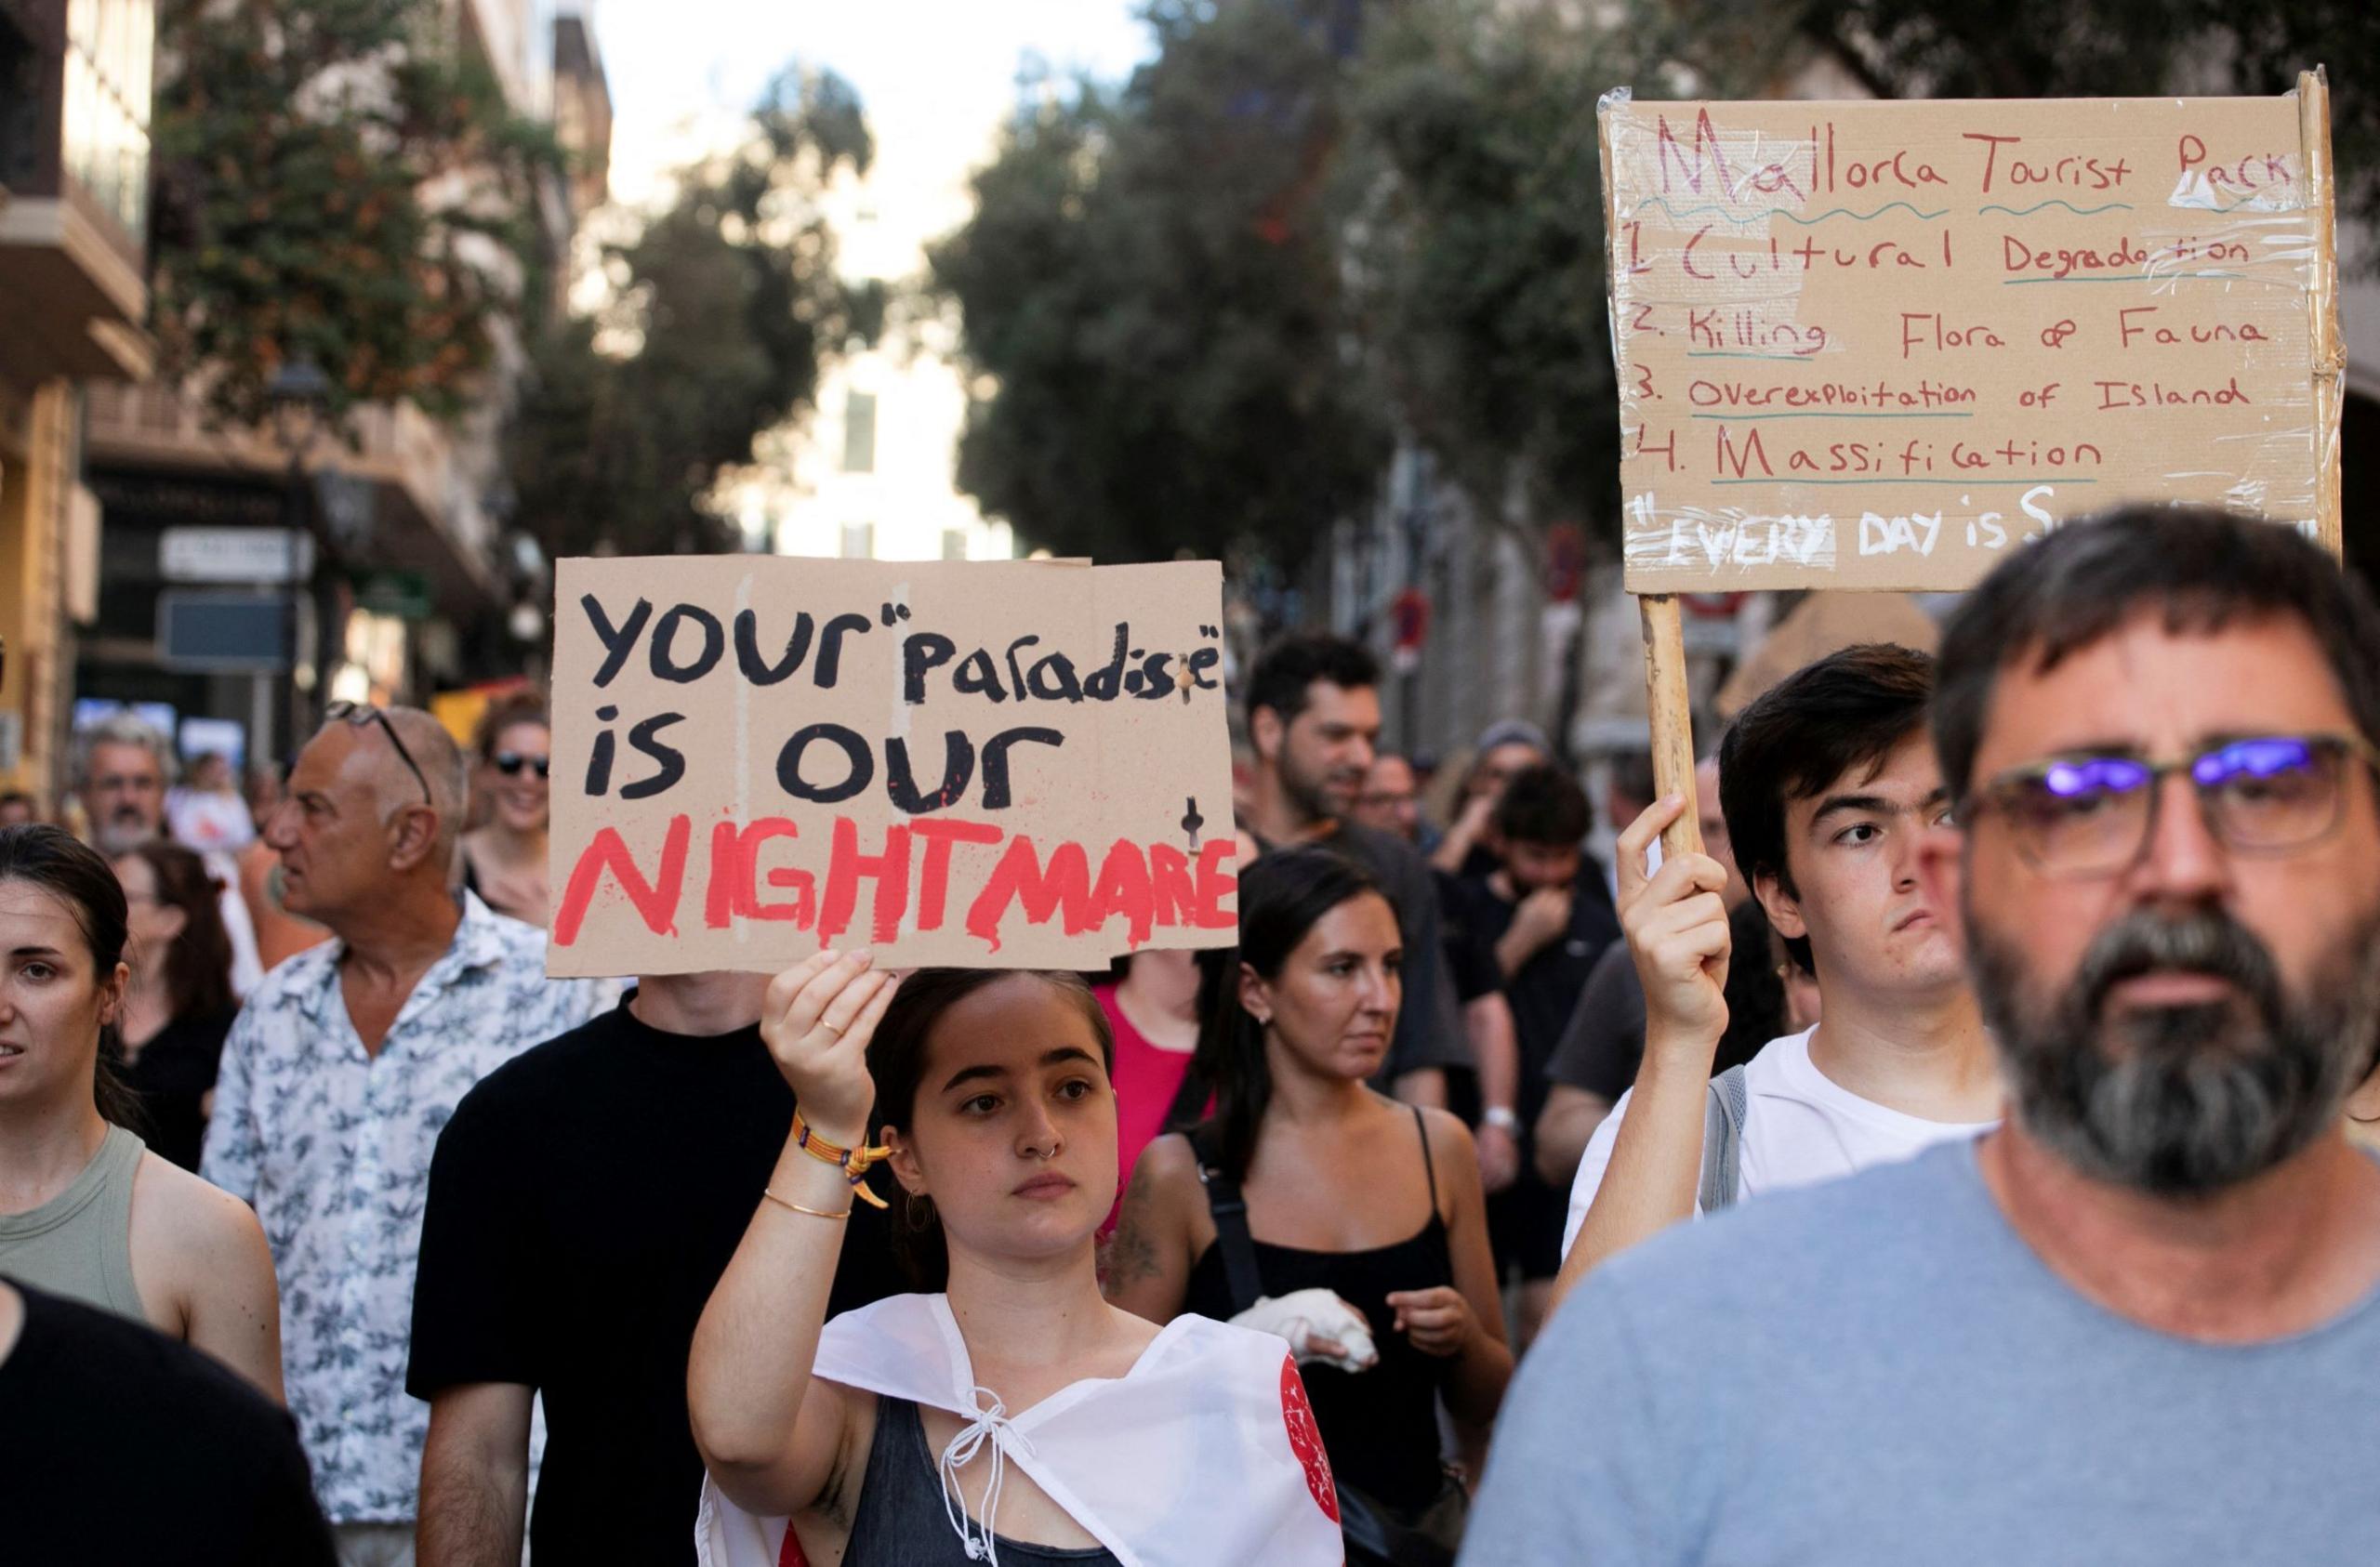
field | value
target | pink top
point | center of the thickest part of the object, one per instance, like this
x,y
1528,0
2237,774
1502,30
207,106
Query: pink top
x,y
1148,1077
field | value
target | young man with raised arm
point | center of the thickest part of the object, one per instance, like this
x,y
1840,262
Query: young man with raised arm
x,y
1829,784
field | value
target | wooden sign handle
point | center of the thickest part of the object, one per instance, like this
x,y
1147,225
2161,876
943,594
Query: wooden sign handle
x,y
1667,702
2321,300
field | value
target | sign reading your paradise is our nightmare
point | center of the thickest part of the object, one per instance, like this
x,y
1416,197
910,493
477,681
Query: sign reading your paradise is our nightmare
x,y
1013,764
1877,345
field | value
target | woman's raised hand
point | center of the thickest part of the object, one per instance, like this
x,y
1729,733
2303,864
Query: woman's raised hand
x,y
816,1020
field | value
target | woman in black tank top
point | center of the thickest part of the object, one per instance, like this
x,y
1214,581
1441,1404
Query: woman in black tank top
x,y
1305,1179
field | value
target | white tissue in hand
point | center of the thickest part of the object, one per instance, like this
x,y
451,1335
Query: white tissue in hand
x,y
1305,1315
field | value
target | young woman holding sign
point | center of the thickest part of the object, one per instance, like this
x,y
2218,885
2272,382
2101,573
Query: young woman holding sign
x,y
1016,1416
1311,1205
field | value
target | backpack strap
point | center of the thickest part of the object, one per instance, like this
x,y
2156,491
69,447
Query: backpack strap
x,y
1229,1209
1723,1138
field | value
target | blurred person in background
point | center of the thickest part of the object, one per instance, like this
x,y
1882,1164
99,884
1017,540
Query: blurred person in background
x,y
1152,1007
1627,790
17,808
1504,749
504,859
1391,801
1542,912
207,811
263,793
125,768
1597,1056
179,1005
87,1211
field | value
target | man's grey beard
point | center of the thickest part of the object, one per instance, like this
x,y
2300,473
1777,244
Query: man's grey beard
x,y
113,835
2181,1102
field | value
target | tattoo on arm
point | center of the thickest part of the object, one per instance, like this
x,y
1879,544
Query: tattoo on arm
x,y
1131,1254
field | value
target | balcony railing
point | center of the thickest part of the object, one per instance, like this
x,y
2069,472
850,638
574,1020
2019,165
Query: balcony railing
x,y
158,425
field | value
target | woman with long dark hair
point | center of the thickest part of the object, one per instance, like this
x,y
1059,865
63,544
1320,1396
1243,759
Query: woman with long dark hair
x,y
85,1210
1011,1415
179,1004
1311,1205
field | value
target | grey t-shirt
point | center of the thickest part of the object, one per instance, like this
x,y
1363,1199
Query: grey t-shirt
x,y
1879,1372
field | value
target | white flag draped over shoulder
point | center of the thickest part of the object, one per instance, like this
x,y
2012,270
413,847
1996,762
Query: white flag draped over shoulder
x,y
1204,1455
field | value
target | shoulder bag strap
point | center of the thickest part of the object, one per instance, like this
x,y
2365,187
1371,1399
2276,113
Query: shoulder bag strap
x,y
1723,1129
1230,1211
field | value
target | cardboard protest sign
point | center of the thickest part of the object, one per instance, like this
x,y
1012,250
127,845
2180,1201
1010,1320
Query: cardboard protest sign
x,y
1013,764
1878,344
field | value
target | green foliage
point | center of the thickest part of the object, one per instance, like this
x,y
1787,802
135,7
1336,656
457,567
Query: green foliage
x,y
1160,284
334,184
729,303
1152,285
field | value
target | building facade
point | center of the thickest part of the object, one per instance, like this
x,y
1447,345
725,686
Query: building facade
x,y
74,98
253,574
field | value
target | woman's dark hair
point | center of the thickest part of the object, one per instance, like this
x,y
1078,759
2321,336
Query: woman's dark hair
x,y
61,866
896,1060
1849,709
1282,897
520,707
198,966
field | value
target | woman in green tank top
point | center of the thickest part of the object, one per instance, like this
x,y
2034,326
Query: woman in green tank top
x,y
85,1210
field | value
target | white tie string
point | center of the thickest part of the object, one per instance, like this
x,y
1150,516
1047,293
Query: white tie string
x,y
990,1425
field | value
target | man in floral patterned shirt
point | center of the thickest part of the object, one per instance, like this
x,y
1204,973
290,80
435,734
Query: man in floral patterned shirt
x,y
341,1070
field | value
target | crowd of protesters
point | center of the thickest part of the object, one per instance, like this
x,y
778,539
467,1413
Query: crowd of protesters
x,y
2019,1011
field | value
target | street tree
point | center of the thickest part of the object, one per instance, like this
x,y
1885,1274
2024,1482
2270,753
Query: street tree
x,y
1152,301
722,310
332,182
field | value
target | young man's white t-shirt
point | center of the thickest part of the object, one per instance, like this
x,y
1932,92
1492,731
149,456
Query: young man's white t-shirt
x,y
1800,1127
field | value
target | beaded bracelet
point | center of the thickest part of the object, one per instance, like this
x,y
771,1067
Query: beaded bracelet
x,y
854,1162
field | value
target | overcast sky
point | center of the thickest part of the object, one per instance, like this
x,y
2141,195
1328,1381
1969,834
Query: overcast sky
x,y
936,77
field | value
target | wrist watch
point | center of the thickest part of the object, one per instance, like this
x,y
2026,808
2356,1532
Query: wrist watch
x,y
1501,1117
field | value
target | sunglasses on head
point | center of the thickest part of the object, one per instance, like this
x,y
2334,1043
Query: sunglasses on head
x,y
510,763
361,714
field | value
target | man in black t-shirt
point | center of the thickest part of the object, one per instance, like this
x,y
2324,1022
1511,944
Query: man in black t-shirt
x,y
1313,707
1546,911
583,1202
120,1445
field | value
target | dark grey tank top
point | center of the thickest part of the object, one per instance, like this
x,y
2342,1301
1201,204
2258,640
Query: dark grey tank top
x,y
901,1520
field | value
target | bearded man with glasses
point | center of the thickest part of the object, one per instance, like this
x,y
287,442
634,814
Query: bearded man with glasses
x,y
340,1072
2140,1323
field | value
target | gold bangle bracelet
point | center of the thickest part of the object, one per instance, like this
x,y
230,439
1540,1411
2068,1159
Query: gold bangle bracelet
x,y
814,1213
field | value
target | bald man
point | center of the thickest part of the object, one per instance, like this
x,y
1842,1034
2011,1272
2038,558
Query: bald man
x,y
343,1066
